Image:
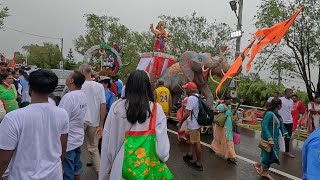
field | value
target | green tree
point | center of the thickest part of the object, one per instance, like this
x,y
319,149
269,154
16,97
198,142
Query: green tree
x,y
4,12
20,57
70,63
255,91
300,49
44,56
195,33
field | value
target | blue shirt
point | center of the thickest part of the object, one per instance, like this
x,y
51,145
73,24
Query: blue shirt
x,y
119,87
311,157
110,98
24,83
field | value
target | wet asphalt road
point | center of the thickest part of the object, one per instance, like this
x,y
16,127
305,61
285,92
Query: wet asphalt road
x,y
216,167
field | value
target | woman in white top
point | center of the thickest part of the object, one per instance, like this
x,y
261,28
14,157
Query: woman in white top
x,y
131,112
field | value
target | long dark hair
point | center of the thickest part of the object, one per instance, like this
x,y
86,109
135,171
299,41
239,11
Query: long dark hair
x,y
138,95
273,105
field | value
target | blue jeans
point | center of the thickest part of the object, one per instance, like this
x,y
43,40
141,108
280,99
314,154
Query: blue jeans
x,y
72,165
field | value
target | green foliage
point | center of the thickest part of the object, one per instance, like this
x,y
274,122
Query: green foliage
x,y
44,56
20,57
70,64
4,12
299,52
194,33
303,96
256,92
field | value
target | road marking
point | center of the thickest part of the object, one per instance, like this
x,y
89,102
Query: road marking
x,y
250,161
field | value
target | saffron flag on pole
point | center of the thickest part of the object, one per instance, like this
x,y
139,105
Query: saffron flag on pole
x,y
12,64
262,38
270,35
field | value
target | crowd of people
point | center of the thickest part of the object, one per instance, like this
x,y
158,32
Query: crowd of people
x,y
124,127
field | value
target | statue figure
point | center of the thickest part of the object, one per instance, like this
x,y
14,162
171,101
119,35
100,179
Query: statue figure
x,y
160,36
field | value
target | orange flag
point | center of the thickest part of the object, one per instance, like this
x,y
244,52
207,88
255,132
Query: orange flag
x,y
270,35
235,67
12,64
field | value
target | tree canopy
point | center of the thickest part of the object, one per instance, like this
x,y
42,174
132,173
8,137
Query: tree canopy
x,y
299,52
44,56
4,12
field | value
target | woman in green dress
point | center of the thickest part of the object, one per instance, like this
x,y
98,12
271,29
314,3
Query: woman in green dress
x,y
222,143
271,125
8,92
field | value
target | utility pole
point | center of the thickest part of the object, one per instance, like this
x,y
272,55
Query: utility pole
x,y
239,26
62,60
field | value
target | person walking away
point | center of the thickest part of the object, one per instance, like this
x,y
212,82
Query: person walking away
x,y
276,95
132,113
310,157
163,96
285,113
119,84
222,143
25,97
95,115
182,132
114,88
271,126
110,98
75,103
297,111
17,84
191,115
314,109
34,138
8,92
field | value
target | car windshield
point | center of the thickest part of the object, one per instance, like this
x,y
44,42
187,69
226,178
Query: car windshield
x,y
62,74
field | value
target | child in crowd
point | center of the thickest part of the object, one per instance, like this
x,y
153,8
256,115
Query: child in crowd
x,y
182,132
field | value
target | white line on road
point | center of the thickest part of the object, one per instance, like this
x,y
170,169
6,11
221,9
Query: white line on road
x,y
250,161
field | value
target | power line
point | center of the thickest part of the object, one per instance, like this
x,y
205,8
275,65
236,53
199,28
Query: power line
x,y
31,34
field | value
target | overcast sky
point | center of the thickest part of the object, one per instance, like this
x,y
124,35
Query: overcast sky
x,y
64,18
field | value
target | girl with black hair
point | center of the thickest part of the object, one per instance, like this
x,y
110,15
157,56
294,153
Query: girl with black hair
x,y
271,126
132,112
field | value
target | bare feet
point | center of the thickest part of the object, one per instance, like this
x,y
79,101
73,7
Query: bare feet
x,y
257,167
288,154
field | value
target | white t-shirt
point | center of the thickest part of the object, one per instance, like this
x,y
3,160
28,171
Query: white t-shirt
x,y
270,99
96,96
51,101
193,106
34,133
75,103
285,111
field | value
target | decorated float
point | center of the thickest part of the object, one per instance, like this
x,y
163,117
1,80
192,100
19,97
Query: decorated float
x,y
104,59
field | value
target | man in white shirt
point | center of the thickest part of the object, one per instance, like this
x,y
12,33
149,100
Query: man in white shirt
x,y
34,138
285,113
95,115
191,115
75,103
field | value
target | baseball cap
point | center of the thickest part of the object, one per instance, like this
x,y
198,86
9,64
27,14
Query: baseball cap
x,y
102,78
190,85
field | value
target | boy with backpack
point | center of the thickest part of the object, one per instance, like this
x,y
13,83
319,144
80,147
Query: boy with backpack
x,y
191,115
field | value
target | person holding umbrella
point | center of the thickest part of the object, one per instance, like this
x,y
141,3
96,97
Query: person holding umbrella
x,y
269,142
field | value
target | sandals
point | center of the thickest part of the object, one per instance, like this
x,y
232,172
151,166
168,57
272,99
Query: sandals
x,y
258,169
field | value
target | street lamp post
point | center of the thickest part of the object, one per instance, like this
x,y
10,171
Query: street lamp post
x,y
237,34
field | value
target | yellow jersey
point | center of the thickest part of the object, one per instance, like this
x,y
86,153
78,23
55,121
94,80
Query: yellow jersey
x,y
163,95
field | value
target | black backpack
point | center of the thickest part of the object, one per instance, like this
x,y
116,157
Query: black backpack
x,y
205,115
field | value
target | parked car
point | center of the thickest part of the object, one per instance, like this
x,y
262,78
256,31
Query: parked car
x,y
62,76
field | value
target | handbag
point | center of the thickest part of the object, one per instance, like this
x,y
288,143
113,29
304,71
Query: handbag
x,y
265,145
221,119
140,157
236,135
